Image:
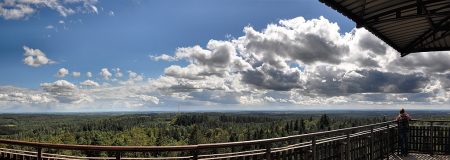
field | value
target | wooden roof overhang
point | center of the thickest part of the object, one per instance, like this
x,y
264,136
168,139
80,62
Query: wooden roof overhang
x,y
406,25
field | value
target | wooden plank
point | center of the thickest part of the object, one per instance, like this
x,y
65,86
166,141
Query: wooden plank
x,y
371,149
268,152
314,149
431,138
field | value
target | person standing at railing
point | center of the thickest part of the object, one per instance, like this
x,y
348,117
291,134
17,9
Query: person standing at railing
x,y
403,130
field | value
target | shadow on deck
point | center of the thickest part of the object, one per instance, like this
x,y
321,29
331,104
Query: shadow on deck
x,y
416,156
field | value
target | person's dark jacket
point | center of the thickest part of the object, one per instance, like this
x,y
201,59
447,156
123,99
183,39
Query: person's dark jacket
x,y
403,122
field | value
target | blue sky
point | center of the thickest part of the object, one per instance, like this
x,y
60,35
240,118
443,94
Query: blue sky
x,y
89,42
279,45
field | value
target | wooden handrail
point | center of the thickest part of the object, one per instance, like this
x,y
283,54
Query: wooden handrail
x,y
287,138
433,121
98,147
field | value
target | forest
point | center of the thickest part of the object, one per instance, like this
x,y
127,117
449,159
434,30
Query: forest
x,y
161,129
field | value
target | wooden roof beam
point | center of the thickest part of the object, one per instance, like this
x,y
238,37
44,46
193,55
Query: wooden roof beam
x,y
424,36
393,11
421,8
401,17
442,36
431,49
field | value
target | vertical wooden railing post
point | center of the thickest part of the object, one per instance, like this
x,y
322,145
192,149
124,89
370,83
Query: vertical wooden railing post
x,y
39,153
195,154
382,144
348,147
314,148
268,151
398,139
118,155
431,139
448,142
342,150
388,140
371,143
386,137
296,151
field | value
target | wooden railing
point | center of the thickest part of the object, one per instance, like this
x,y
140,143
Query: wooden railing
x,y
374,141
431,137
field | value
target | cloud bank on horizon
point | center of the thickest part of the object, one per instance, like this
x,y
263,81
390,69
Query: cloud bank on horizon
x,y
295,62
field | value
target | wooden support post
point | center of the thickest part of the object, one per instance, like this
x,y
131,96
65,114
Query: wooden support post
x,y
118,155
342,150
296,153
382,145
195,154
385,142
314,148
39,153
268,151
371,143
448,142
290,154
398,139
388,140
348,146
431,139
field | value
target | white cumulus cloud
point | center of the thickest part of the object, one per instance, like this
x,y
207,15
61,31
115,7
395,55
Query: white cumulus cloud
x,y
294,62
89,83
62,72
105,73
14,95
147,98
163,57
76,74
66,92
20,9
49,27
117,73
301,61
88,74
35,57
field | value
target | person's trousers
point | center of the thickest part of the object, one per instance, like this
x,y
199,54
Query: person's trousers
x,y
403,142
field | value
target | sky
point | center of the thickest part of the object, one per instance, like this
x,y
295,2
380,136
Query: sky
x,y
161,55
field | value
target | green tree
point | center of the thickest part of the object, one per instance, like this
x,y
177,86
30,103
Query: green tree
x,y
195,137
324,122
